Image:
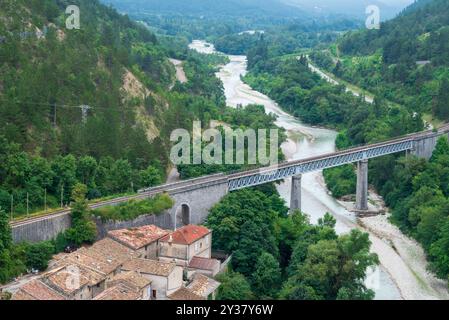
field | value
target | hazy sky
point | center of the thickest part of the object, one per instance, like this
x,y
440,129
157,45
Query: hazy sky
x,y
387,2
389,8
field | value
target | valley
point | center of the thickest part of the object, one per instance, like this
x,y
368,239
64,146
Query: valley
x,y
112,157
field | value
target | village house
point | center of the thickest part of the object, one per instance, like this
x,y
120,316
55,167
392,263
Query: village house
x,y
166,278
82,275
204,286
208,267
144,241
74,282
105,256
182,245
119,292
134,281
184,294
124,266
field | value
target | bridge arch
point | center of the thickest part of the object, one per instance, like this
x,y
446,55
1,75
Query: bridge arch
x,y
183,215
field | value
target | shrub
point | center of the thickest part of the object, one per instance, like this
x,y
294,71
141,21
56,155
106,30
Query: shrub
x,y
134,208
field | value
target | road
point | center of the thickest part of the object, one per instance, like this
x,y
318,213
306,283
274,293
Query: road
x,y
356,92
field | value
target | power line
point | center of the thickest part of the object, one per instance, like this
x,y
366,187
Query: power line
x,y
62,105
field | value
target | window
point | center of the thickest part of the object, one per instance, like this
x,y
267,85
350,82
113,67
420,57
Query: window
x,y
154,295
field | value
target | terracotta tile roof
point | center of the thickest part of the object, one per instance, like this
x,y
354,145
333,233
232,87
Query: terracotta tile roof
x,y
203,286
184,294
204,263
131,278
149,267
36,290
112,249
137,238
187,234
119,292
63,279
105,257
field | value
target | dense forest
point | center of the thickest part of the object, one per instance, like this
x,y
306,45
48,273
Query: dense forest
x,y
53,154
47,145
122,143
416,191
405,61
119,69
281,256
418,195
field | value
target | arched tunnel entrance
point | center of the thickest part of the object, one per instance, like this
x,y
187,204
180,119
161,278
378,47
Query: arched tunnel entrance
x,y
182,215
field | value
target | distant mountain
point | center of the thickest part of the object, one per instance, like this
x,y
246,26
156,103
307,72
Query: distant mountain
x,y
207,8
355,8
420,32
48,71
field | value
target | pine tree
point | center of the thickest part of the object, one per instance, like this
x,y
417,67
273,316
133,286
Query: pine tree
x,y
267,276
5,231
83,229
441,149
442,101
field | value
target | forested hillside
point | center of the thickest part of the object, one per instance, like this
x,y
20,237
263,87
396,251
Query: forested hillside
x,y
284,256
112,65
405,61
229,8
115,66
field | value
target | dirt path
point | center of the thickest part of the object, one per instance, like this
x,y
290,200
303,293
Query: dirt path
x,y
180,74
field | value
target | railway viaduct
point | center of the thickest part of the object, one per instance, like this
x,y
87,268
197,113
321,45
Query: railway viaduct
x,y
194,198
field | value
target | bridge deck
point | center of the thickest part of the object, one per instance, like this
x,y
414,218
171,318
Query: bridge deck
x,y
284,170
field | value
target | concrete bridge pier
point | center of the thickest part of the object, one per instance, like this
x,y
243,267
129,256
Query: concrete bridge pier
x,y
295,200
362,186
423,148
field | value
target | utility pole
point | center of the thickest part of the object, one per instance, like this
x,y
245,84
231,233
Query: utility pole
x,y
12,206
84,109
54,115
62,196
45,200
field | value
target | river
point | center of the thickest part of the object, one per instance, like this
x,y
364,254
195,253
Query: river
x,y
303,141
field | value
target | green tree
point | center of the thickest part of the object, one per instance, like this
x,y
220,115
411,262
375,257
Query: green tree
x,y
5,231
65,175
442,100
267,277
254,240
121,173
38,255
86,170
234,286
9,266
332,269
439,253
442,147
83,229
150,177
